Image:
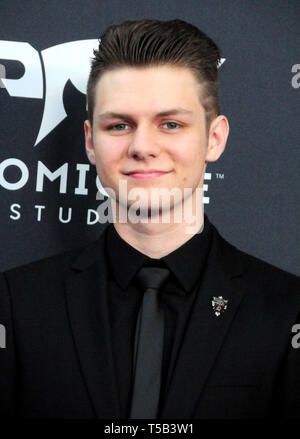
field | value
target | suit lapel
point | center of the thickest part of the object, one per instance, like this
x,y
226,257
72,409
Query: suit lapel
x,y
86,295
206,332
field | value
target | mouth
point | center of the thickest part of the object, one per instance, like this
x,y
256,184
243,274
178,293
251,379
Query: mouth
x,y
146,175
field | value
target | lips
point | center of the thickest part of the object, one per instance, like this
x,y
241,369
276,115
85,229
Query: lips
x,y
145,175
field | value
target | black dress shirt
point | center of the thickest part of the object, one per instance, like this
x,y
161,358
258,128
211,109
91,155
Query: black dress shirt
x,y
186,265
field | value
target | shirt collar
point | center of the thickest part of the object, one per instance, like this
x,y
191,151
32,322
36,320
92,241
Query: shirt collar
x,y
186,262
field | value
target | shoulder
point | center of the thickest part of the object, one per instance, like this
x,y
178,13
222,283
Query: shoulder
x,y
266,272
53,269
270,294
254,272
38,287
56,265
271,288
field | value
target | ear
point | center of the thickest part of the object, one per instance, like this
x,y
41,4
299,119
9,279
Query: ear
x,y
89,147
217,138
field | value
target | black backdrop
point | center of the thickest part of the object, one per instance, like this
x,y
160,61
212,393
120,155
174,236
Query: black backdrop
x,y
253,189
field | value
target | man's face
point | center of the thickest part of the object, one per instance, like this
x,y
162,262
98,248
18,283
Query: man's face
x,y
149,118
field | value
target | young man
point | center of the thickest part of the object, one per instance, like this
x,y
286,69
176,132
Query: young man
x,y
160,317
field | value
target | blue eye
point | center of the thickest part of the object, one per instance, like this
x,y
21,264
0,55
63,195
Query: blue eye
x,y
118,127
172,125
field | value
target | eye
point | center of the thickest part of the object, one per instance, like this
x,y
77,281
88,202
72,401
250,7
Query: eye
x,y
118,127
172,125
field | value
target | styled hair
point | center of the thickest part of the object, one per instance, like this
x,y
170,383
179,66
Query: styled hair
x,y
143,43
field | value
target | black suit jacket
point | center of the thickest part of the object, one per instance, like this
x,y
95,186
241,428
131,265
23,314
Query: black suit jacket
x,y
58,359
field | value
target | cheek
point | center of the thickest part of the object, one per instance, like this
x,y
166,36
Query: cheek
x,y
107,154
189,149
189,163
189,158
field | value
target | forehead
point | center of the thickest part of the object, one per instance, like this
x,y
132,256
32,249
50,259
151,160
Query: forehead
x,y
155,87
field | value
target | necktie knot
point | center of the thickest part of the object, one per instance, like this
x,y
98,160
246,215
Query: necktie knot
x,y
152,277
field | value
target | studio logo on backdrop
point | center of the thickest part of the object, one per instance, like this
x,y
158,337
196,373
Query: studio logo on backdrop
x,y
45,76
60,63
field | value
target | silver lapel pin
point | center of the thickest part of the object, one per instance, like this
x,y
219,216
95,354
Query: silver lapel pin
x,y
219,305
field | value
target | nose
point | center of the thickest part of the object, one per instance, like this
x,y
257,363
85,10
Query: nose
x,y
143,143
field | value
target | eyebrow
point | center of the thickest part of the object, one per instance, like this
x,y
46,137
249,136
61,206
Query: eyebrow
x,y
113,115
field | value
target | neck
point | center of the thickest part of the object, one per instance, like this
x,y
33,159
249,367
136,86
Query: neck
x,y
158,239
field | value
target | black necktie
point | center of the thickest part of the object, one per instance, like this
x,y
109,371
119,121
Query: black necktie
x,y
148,346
